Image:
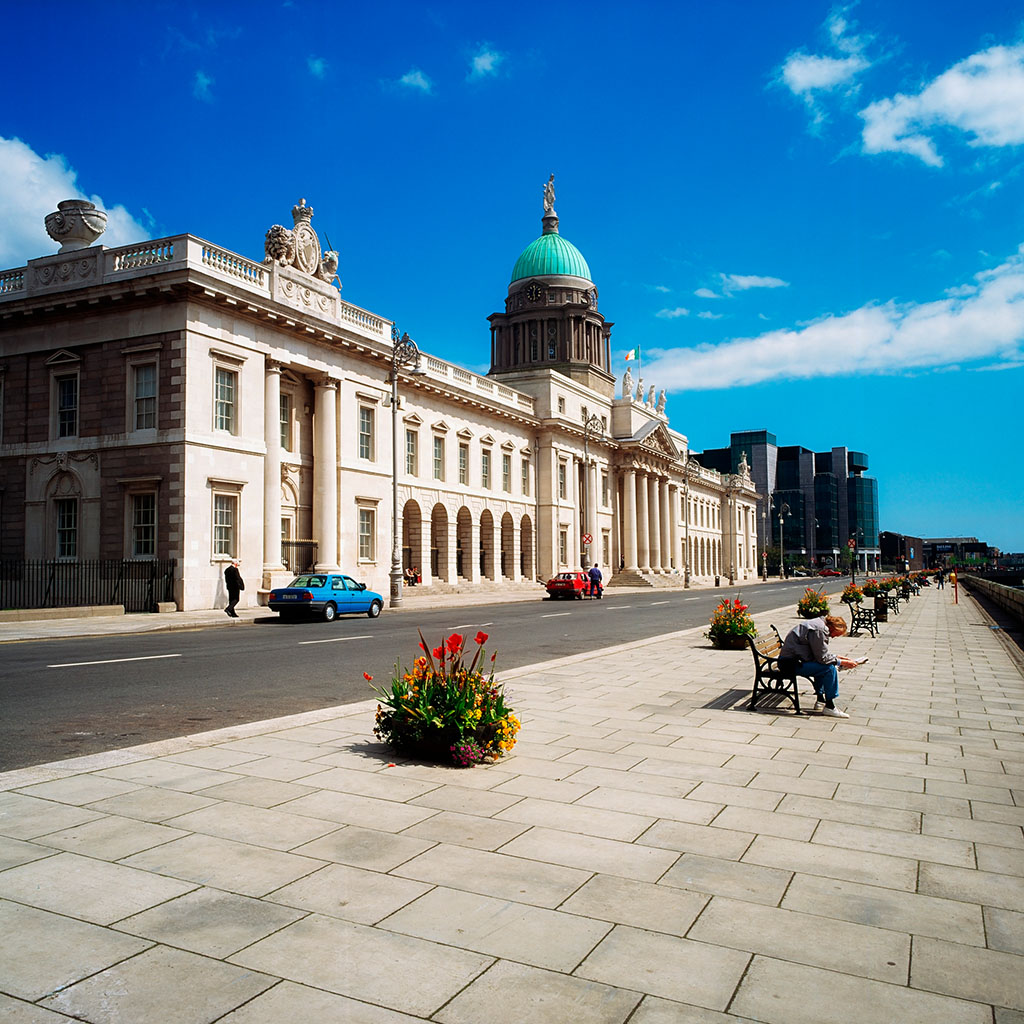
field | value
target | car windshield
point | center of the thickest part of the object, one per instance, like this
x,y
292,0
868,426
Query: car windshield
x,y
307,581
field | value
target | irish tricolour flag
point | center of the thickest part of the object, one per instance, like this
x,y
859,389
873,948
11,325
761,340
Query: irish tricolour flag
x,y
632,353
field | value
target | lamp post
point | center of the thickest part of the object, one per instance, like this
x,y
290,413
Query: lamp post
x,y
783,511
857,533
686,518
404,353
766,504
591,425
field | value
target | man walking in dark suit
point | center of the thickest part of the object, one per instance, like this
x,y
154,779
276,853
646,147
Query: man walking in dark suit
x,y
235,585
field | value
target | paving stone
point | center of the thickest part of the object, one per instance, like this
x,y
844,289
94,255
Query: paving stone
x,y
365,847
886,908
14,1011
855,814
973,831
261,826
671,807
501,928
282,769
804,786
349,893
656,907
964,791
818,859
210,922
805,938
16,851
77,789
168,985
88,889
167,775
26,817
287,1001
223,864
899,844
365,963
736,796
664,965
634,781
728,878
466,830
585,819
590,853
998,812
547,789
772,823
1004,930
348,809
111,837
984,887
212,757
777,992
44,952
466,801
927,802
986,975
1002,859
257,791
149,803
278,746
495,874
701,839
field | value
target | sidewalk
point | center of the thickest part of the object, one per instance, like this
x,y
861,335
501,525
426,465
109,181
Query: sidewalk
x,y
642,856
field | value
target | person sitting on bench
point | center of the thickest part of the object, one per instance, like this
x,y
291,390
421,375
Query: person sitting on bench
x,y
807,644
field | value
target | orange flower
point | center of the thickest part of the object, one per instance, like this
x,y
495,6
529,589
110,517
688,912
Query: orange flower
x,y
480,638
368,677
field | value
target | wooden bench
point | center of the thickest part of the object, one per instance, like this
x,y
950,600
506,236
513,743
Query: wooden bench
x,y
862,617
768,677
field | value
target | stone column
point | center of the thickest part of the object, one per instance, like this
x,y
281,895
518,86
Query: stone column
x,y
666,515
473,575
595,547
325,473
421,534
673,526
272,468
654,519
575,542
629,544
643,526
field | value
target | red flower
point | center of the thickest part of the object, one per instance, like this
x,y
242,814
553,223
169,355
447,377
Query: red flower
x,y
368,677
454,643
480,638
493,656
423,646
438,653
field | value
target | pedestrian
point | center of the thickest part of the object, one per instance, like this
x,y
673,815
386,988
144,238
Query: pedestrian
x,y
595,581
807,645
235,585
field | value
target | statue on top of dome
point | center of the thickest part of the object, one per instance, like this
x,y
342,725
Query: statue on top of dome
x,y
549,195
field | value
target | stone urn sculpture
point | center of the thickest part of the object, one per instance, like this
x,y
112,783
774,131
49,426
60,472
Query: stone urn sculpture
x,y
76,224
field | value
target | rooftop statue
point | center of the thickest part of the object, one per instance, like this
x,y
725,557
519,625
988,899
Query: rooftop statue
x,y
661,403
627,384
650,398
640,390
549,195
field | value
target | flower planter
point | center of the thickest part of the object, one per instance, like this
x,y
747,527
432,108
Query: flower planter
x,y
729,643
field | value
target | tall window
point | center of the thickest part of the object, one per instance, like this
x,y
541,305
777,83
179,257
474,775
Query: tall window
x,y
506,472
561,404
485,468
365,432
225,518
526,474
604,492
411,452
67,527
561,480
367,531
225,396
563,547
438,458
286,422
67,406
143,525
463,463
145,396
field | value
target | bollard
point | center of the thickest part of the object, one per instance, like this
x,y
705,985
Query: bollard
x,y
718,580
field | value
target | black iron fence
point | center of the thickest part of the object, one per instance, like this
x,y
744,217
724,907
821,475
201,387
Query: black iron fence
x,y
138,585
299,555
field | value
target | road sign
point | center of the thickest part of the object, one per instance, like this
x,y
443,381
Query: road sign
x,y
587,539
764,554
851,543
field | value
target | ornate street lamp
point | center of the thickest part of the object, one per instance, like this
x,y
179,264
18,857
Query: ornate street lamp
x,y
783,511
686,517
856,536
404,353
592,425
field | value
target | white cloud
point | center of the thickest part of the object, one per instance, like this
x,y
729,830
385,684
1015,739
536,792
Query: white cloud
x,y
706,293
30,188
707,315
672,314
661,288
201,87
415,79
317,66
484,64
982,95
985,328
743,282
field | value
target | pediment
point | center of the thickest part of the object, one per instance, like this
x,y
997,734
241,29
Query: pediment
x,y
465,433
413,420
654,436
487,439
440,427
507,446
63,356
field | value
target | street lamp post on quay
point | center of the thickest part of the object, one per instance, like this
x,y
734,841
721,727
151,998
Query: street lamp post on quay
x,y
858,534
404,353
592,426
783,511
686,518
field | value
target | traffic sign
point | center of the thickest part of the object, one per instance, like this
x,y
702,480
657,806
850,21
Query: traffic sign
x,y
587,539
851,543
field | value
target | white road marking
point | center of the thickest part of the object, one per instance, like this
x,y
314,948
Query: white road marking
x,y
334,640
470,625
619,607
555,615
691,598
112,661
654,604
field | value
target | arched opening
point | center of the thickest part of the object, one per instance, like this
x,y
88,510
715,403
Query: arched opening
x,y
439,542
463,543
526,568
412,537
487,560
508,546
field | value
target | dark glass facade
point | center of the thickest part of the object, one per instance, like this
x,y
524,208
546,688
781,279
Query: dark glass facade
x,y
862,499
826,510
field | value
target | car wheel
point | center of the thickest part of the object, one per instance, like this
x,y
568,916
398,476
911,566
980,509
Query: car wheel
x,y
374,610
330,611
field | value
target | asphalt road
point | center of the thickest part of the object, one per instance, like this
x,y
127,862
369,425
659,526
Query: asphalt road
x,y
66,697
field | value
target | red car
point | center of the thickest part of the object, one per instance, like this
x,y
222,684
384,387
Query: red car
x,y
569,584
829,572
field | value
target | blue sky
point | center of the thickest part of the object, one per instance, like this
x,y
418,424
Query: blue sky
x,y
809,217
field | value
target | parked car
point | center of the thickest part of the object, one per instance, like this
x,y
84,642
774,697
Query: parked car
x,y
800,570
569,585
829,572
327,594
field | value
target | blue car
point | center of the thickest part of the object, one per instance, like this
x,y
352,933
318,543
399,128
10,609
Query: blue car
x,y
327,594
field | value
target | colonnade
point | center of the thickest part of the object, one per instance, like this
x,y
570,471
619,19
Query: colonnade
x,y
650,521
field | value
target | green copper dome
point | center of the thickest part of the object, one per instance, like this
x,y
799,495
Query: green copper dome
x,y
550,256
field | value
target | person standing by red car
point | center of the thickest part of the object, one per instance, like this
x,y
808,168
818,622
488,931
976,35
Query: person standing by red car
x,y
596,579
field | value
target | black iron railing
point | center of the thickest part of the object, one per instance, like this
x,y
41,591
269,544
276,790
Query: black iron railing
x,y
138,585
299,555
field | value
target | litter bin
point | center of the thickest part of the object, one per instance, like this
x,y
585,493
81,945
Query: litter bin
x,y
717,580
881,608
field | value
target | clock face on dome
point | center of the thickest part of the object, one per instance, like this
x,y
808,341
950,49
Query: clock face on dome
x,y
534,292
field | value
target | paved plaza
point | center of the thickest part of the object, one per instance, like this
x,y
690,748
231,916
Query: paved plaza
x,y
652,852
